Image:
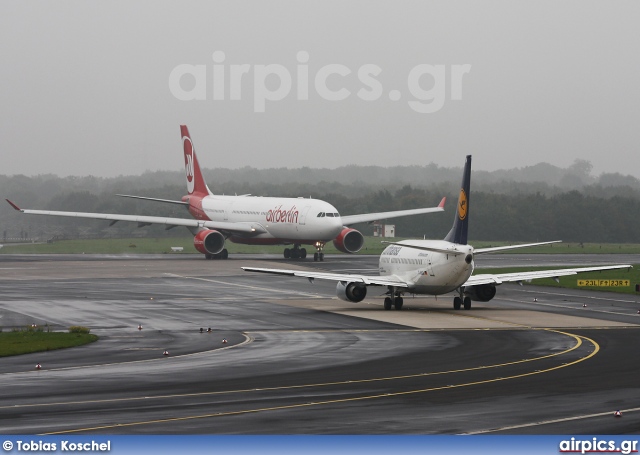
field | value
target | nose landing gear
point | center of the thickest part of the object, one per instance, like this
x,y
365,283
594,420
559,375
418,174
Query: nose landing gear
x,y
318,255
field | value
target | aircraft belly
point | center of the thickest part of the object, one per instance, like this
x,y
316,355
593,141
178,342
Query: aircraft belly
x,y
287,231
431,290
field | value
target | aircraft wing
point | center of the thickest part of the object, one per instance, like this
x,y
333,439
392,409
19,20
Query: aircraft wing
x,y
499,278
365,279
155,199
348,220
240,228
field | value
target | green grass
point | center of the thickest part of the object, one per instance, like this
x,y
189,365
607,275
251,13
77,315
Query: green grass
x,y
571,282
372,245
26,342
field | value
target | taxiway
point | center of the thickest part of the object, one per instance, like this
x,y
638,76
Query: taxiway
x,y
297,360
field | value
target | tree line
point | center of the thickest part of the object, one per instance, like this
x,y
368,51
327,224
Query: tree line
x,y
500,209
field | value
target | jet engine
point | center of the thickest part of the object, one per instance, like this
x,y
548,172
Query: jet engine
x,y
209,242
481,293
351,292
349,241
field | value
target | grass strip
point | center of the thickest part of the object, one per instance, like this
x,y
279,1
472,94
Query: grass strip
x,y
26,342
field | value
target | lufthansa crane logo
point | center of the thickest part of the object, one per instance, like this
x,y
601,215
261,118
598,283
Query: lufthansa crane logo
x,y
462,205
188,162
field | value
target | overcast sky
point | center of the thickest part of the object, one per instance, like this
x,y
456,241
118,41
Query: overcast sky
x,y
85,86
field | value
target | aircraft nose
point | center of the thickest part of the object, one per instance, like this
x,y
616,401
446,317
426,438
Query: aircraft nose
x,y
337,224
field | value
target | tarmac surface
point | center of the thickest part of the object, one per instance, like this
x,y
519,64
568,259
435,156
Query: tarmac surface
x,y
298,361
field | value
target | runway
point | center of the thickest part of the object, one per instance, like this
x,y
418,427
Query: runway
x,y
298,361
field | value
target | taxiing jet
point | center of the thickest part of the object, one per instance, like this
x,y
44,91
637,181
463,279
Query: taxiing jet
x,y
434,267
251,220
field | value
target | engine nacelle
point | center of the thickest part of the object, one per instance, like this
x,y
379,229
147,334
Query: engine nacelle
x,y
349,241
209,242
481,293
351,292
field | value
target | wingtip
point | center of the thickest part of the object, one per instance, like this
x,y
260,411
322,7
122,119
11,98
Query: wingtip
x,y
13,205
442,202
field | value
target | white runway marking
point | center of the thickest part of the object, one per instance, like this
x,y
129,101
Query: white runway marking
x,y
257,288
549,422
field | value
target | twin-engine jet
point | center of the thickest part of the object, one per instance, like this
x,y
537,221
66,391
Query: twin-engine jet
x,y
434,267
251,220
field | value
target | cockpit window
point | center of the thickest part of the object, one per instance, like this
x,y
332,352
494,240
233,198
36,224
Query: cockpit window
x,y
337,215
330,214
321,214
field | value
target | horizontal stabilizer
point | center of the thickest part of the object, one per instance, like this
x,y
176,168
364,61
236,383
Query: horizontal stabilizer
x,y
426,248
512,247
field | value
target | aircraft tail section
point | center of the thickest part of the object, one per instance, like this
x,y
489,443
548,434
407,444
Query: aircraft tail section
x,y
458,233
195,181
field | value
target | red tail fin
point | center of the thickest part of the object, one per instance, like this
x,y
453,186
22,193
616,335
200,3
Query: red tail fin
x,y
195,181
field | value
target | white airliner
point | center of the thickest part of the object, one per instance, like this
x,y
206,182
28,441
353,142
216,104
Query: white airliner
x,y
434,267
251,220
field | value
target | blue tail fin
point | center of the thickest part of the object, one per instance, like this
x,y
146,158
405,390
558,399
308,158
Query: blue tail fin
x,y
458,233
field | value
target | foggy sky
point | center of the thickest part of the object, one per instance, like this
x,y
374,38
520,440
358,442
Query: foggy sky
x,y
85,85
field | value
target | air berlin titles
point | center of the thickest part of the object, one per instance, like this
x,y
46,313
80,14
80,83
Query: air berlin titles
x,y
278,215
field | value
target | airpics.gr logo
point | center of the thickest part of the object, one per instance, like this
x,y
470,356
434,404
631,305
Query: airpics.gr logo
x,y
188,162
462,205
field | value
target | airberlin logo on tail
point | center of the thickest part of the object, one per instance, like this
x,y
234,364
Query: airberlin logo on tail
x,y
283,216
188,162
462,205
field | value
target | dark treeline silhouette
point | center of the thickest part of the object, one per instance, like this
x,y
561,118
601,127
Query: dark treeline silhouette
x,y
534,203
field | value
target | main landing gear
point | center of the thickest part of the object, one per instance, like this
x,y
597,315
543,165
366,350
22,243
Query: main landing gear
x,y
300,253
394,300
295,253
224,254
461,302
